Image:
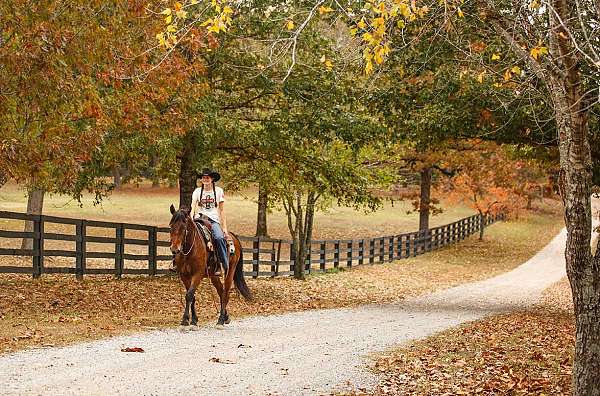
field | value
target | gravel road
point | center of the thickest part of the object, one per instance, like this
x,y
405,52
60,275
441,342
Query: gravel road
x,y
311,352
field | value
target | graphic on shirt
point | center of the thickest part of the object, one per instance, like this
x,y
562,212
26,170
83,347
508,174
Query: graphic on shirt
x,y
207,202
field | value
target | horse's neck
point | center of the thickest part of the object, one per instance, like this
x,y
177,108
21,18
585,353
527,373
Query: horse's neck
x,y
196,239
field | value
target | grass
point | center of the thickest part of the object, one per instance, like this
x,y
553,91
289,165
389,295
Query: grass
x,y
147,205
58,310
527,352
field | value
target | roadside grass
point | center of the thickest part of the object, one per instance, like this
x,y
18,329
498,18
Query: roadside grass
x,y
526,352
58,310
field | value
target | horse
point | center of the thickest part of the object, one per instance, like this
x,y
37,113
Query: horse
x,y
191,259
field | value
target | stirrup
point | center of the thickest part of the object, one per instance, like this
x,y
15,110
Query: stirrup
x,y
209,246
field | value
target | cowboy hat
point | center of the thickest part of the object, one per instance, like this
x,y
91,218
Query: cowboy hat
x,y
209,172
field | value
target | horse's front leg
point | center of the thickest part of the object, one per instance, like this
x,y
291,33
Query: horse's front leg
x,y
194,321
185,320
194,286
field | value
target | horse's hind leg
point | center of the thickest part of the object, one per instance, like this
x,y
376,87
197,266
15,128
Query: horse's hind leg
x,y
216,281
225,296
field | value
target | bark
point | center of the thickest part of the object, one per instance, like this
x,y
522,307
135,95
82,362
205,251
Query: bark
x,y
482,228
309,220
261,217
154,175
116,171
300,240
425,200
575,186
35,204
187,172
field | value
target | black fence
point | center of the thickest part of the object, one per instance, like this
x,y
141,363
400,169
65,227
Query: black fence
x,y
114,251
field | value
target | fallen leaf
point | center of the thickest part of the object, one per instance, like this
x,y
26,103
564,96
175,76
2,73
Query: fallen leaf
x,y
219,360
132,349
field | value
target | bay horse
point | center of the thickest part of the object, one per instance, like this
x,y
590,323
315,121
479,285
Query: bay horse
x,y
191,259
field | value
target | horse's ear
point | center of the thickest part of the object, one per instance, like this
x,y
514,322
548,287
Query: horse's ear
x,y
172,209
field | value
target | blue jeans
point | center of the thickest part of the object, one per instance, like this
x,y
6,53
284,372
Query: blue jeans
x,y
221,248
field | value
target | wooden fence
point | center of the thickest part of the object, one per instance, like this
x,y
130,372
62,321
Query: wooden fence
x,y
262,256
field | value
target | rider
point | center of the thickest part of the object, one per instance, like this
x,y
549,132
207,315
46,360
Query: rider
x,y
208,201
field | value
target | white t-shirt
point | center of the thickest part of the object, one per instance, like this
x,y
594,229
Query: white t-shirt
x,y
206,203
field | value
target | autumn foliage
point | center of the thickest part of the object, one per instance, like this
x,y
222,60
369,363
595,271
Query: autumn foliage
x,y
490,181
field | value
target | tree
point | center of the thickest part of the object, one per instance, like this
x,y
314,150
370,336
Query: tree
x,y
51,116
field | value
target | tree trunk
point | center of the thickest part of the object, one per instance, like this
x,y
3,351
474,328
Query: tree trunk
x,y
575,184
187,173
425,200
311,200
482,225
35,204
300,240
116,171
154,173
261,218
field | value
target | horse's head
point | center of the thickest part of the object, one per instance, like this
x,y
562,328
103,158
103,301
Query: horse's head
x,y
178,227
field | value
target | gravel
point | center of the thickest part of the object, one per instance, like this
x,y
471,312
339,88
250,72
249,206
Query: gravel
x,y
312,352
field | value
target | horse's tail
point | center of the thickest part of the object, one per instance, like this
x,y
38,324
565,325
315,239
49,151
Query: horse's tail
x,y
238,279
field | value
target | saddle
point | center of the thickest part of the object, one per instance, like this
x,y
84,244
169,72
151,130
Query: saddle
x,y
205,228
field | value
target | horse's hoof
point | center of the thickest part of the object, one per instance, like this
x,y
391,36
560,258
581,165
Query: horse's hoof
x,y
227,321
184,328
194,327
220,326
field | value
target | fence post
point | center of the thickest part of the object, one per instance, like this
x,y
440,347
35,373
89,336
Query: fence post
x,y
80,248
308,259
119,250
38,246
361,251
349,254
416,239
292,257
255,257
398,247
371,251
381,249
336,254
391,249
278,259
273,265
322,256
152,250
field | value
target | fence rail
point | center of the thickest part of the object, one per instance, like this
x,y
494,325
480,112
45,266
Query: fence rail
x,y
262,256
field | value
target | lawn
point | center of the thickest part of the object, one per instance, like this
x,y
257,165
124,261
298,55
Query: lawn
x,y
147,205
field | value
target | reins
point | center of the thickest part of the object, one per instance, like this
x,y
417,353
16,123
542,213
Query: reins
x,y
193,241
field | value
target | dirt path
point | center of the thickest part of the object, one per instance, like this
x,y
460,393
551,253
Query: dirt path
x,y
312,352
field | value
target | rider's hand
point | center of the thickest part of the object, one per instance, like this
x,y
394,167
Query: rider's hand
x,y
226,234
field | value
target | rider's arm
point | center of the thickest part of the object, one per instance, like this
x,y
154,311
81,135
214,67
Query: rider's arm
x,y
194,204
222,217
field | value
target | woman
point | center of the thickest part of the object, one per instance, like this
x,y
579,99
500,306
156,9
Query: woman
x,y
208,201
